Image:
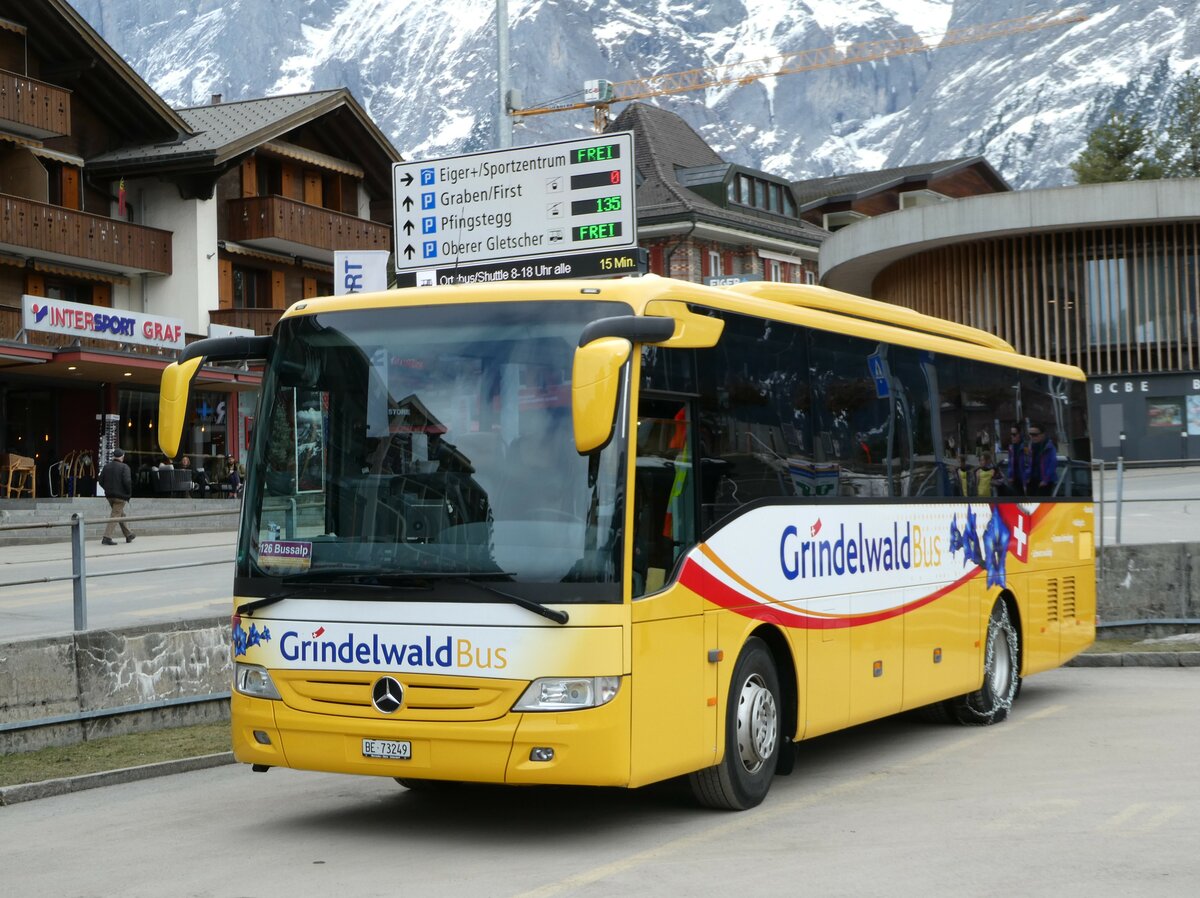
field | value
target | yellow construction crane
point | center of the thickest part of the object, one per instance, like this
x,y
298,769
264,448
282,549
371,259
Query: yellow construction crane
x,y
600,95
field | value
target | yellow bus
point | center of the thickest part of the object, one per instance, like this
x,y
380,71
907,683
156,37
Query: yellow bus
x,y
613,532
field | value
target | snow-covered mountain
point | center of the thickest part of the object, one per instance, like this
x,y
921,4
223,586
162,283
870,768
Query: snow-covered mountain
x,y
425,70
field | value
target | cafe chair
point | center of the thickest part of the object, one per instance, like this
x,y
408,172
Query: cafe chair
x,y
20,476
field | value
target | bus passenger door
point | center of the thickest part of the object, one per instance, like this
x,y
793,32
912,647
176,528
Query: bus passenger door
x,y
876,665
674,727
941,651
826,701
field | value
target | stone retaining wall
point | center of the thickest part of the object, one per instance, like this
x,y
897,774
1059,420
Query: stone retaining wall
x,y
103,669
1149,582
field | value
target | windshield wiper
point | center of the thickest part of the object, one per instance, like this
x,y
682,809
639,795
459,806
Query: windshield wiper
x,y
358,579
559,617
479,579
392,580
248,607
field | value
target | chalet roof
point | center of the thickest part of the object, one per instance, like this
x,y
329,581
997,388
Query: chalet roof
x,y
818,191
671,158
223,131
77,58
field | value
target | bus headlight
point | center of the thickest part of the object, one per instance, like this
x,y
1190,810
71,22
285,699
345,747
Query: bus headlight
x,y
250,679
568,693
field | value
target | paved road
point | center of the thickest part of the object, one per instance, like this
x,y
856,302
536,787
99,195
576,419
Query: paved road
x,y
1159,505
1090,789
44,609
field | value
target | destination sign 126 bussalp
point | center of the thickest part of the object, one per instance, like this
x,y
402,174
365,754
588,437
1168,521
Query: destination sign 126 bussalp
x,y
523,203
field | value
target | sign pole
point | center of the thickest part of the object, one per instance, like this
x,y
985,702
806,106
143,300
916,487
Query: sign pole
x,y
503,119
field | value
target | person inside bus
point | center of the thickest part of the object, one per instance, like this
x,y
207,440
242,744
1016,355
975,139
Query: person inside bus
x,y
981,481
1042,472
1015,481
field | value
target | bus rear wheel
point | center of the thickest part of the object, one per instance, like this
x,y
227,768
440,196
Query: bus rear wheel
x,y
1001,675
752,735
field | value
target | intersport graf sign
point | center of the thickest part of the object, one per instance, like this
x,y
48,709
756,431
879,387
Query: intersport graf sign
x,y
73,319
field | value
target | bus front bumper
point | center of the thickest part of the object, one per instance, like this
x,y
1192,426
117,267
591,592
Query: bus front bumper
x,y
590,747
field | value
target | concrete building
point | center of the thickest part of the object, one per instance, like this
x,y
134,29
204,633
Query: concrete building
x,y
1105,276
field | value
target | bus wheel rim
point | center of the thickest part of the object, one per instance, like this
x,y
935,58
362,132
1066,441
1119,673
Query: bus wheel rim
x,y
1001,666
757,723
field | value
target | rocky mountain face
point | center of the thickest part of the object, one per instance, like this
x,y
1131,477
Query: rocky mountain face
x,y
426,71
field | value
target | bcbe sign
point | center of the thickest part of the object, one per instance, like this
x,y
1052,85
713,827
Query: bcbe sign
x,y
1117,387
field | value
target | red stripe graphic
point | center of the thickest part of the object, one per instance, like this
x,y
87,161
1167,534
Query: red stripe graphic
x,y
708,587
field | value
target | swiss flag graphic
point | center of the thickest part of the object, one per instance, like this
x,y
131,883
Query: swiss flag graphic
x,y
1020,525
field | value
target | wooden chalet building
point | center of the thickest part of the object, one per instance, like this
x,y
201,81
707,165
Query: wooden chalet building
x,y
128,229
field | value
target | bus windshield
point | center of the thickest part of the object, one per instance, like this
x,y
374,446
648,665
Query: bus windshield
x,y
415,445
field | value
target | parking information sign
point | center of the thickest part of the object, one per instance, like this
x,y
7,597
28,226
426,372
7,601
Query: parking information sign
x,y
566,199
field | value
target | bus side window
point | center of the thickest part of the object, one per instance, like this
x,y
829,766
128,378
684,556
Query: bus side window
x,y
755,417
664,510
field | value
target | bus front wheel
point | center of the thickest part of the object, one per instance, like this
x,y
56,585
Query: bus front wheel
x,y
1001,675
752,735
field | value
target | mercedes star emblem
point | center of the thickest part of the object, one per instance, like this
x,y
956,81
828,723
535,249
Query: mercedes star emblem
x,y
387,694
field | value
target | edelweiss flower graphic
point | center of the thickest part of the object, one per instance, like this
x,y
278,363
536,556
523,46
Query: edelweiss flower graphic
x,y
242,639
995,549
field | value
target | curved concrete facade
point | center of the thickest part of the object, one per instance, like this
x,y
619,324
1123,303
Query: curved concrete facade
x,y
1103,276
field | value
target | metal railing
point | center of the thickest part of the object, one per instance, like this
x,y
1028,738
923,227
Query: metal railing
x,y
79,575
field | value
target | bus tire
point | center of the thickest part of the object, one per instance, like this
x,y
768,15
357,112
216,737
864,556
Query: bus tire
x,y
753,721
1001,675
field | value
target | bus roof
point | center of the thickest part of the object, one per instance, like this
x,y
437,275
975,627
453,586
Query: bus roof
x,y
808,305
813,297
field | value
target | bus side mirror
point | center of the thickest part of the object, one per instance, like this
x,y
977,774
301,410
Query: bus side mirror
x,y
177,380
595,382
173,403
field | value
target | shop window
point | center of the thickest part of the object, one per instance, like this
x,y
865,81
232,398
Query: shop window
x,y
1165,414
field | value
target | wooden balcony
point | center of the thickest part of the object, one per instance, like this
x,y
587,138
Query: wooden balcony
x,y
70,235
288,226
261,321
33,108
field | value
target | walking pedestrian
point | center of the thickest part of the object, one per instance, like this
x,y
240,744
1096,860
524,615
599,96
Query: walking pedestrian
x,y
117,482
